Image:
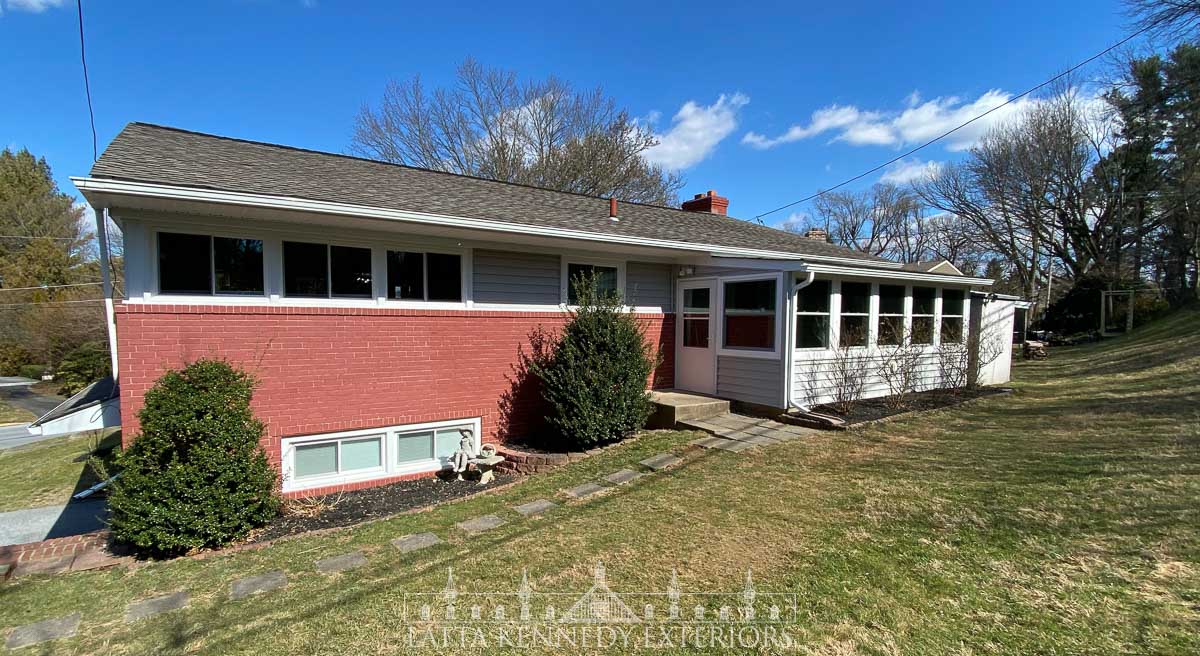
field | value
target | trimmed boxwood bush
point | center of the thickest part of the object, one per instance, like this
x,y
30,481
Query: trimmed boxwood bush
x,y
594,378
196,476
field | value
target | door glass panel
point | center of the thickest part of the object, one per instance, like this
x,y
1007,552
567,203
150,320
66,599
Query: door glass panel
x,y
316,459
362,454
696,300
695,332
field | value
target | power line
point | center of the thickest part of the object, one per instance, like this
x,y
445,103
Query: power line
x,y
965,123
41,287
84,300
87,87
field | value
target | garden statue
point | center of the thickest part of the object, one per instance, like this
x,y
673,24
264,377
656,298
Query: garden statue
x,y
466,452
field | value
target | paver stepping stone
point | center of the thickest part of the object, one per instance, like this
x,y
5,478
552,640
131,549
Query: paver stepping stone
x,y
481,524
252,585
713,442
623,476
342,563
139,610
585,490
52,629
535,507
415,541
661,461
736,446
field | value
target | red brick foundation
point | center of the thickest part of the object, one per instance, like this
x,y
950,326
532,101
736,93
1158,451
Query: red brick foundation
x,y
332,369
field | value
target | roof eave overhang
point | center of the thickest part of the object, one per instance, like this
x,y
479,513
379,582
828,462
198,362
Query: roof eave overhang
x,y
895,274
109,192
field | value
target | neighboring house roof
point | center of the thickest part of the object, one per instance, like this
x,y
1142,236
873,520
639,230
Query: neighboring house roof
x,y
936,266
169,156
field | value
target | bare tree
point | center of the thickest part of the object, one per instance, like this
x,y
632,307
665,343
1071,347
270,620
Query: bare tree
x,y
493,125
952,365
1172,19
846,376
881,220
900,368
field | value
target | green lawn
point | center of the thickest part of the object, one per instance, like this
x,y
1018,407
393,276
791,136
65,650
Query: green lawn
x,y
49,472
10,414
1064,519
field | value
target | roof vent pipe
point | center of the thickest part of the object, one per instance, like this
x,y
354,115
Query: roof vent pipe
x,y
612,209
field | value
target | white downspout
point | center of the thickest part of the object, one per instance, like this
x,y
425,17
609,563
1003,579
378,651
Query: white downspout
x,y
110,323
790,346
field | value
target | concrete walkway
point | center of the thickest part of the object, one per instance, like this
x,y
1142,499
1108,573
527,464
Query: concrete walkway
x,y
37,524
730,432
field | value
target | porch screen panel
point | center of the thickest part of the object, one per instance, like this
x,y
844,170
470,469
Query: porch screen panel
x,y
922,321
812,315
952,316
750,315
856,311
239,265
350,269
305,269
891,315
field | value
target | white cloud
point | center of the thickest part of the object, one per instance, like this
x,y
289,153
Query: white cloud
x,y
795,222
917,122
695,131
910,170
33,6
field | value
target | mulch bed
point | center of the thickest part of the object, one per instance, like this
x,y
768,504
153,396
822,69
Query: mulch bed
x,y
349,508
875,409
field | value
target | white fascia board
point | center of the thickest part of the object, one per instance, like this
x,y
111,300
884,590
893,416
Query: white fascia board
x,y
892,274
173,192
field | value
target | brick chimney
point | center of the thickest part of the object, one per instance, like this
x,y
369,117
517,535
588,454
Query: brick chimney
x,y
710,202
818,234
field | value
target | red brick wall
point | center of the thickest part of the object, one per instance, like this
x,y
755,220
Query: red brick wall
x,y
332,369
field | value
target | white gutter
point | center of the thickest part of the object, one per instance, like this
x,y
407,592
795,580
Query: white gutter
x,y
180,193
790,348
896,274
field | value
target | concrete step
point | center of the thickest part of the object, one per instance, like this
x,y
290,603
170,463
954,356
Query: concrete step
x,y
672,407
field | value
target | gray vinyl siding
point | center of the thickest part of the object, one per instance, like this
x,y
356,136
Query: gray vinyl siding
x,y
753,380
520,278
648,285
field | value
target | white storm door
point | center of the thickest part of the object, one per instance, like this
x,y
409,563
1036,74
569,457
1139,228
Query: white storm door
x,y
695,339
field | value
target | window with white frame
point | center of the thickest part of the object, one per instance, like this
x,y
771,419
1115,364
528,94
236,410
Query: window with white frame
x,y
952,316
891,315
207,265
321,460
812,315
324,271
923,301
750,315
606,277
416,276
856,314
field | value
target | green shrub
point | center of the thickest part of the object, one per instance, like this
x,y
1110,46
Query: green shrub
x,y
197,476
83,366
33,371
12,358
594,378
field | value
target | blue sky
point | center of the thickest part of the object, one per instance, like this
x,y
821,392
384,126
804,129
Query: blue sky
x,y
765,104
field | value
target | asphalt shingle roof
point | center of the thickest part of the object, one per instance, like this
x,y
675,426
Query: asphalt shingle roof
x,y
157,154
